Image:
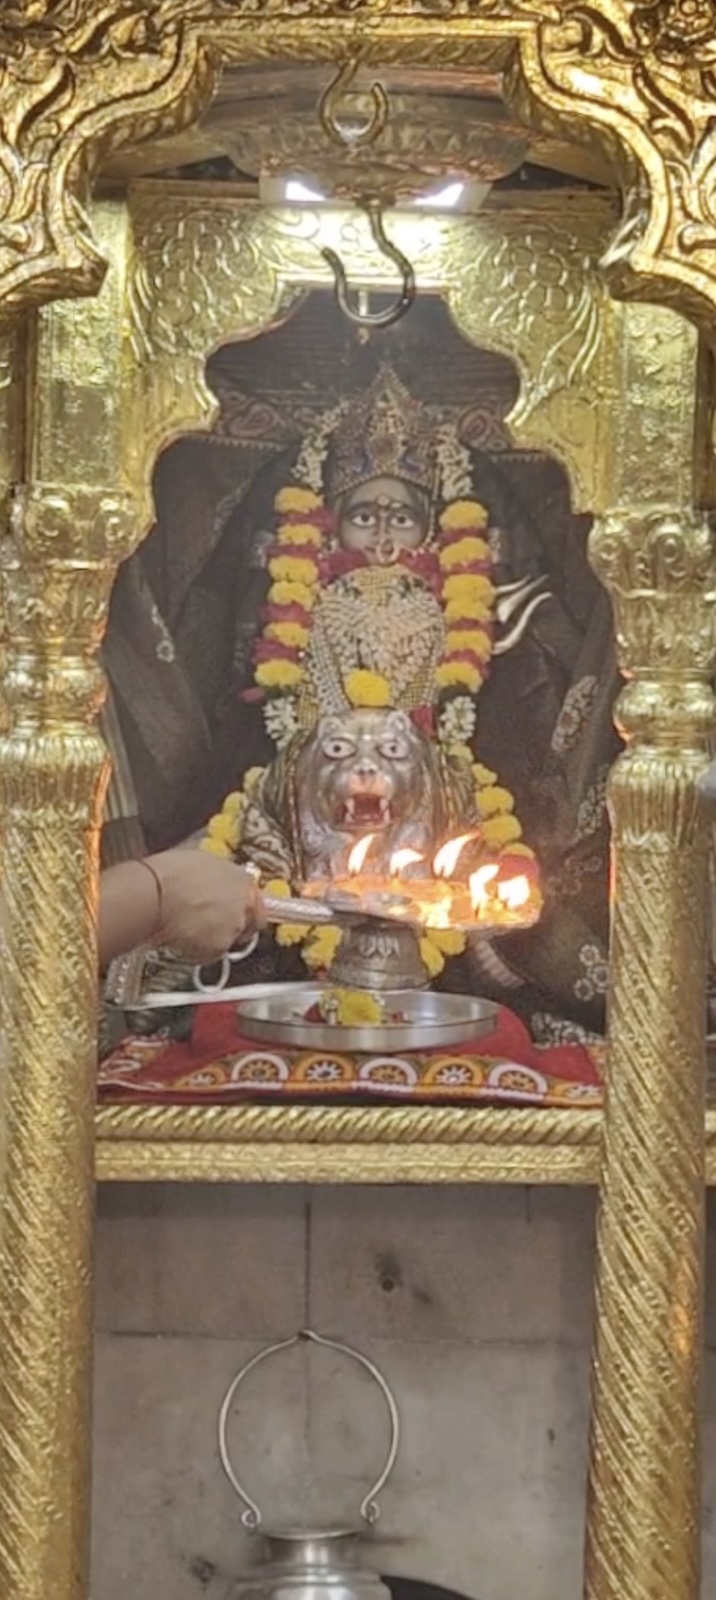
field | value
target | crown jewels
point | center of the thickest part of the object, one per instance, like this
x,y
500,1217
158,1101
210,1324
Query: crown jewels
x,y
384,433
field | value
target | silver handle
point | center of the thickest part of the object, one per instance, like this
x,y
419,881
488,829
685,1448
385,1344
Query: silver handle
x,y
369,1508
227,962
310,912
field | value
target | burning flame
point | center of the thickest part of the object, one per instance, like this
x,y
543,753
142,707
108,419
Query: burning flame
x,y
515,892
478,884
401,859
441,900
447,857
356,859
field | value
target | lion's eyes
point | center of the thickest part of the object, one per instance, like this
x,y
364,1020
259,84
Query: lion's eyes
x,y
338,749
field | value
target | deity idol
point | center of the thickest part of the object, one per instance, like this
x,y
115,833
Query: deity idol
x,y
376,639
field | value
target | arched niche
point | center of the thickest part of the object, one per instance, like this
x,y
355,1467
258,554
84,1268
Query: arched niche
x,y
202,567
607,388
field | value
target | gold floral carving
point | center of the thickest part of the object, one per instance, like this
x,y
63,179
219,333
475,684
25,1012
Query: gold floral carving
x,y
75,80
643,79
661,573
208,267
640,78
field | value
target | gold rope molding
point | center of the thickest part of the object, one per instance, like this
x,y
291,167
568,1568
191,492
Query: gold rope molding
x,y
299,1144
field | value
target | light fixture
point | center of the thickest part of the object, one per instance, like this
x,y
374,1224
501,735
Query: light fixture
x,y
445,199
299,193
458,195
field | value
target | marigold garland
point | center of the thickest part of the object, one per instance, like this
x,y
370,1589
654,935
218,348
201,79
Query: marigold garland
x,y
300,566
461,515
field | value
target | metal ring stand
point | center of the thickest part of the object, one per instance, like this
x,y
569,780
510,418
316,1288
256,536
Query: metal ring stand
x,y
369,1509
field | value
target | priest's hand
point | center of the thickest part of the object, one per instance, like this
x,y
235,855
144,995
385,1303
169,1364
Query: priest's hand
x,y
199,905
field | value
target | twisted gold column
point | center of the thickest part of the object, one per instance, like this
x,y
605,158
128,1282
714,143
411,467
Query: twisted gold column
x,y
52,775
643,1530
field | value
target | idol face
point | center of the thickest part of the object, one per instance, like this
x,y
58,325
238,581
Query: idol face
x,y
381,519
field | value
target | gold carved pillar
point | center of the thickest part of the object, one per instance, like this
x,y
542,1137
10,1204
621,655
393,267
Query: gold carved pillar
x,y
70,521
52,772
643,1534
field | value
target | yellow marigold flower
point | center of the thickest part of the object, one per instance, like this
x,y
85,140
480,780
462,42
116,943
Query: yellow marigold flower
x,y
458,674
252,779
295,569
278,674
468,611
463,514
225,829
449,941
321,947
474,639
278,888
492,799
292,594
460,752
498,831
468,586
288,933
354,1007
522,850
215,847
433,960
294,499
234,804
299,533
290,633
367,688
483,775
463,552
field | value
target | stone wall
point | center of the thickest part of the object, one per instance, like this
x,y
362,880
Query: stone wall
x,y
475,1303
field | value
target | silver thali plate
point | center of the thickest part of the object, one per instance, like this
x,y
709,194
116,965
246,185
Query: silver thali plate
x,y
429,1020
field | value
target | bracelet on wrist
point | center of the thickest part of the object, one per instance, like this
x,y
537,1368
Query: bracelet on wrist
x,y
159,921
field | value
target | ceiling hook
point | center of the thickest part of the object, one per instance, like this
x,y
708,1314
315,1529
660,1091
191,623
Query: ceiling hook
x,y
408,291
329,110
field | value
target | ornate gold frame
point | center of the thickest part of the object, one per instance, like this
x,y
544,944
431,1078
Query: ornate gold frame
x,y
75,81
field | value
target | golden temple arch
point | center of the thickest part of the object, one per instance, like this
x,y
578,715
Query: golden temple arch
x,y
113,305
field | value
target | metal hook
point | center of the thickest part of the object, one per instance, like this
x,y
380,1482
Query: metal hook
x,y
392,314
329,111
